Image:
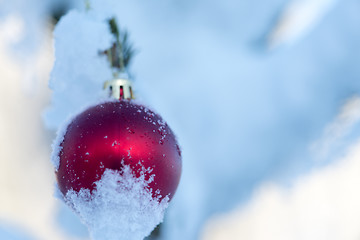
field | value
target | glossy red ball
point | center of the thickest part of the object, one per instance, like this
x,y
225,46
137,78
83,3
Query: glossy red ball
x,y
113,134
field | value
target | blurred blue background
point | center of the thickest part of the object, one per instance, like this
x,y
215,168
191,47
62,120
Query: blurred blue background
x,y
247,86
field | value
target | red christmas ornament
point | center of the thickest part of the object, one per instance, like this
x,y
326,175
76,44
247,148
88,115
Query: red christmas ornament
x,y
117,133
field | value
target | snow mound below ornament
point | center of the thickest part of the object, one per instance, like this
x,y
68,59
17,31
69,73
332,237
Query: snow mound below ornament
x,y
121,207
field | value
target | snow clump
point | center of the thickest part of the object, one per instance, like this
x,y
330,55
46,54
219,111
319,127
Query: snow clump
x,y
79,70
121,207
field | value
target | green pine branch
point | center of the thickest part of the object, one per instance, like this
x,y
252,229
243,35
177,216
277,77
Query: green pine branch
x,y
122,51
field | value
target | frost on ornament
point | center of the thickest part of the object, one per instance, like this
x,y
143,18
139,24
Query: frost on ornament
x,y
122,207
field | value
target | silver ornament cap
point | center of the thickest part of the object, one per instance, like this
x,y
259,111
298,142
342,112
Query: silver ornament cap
x,y
119,88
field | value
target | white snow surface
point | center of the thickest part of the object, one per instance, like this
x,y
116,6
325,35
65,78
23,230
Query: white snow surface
x,y
56,148
297,19
121,207
79,71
